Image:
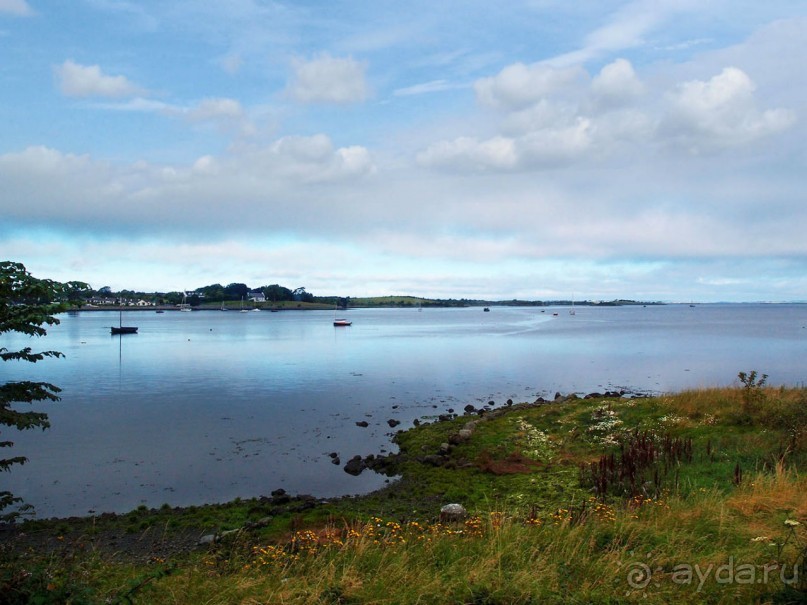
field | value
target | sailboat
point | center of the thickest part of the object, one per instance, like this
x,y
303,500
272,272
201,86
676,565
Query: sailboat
x,y
571,311
243,310
121,329
184,306
339,323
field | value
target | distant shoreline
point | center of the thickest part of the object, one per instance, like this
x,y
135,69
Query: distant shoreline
x,y
235,307
316,306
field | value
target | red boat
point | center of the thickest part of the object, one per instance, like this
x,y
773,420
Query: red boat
x,y
341,322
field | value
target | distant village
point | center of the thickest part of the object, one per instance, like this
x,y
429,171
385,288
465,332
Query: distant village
x,y
206,295
157,300
276,296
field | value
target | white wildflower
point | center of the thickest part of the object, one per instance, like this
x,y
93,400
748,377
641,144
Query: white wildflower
x,y
607,428
537,442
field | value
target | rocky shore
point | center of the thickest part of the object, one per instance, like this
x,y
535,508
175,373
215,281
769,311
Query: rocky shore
x,y
146,534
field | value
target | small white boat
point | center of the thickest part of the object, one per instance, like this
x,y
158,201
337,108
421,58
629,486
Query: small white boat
x,y
184,306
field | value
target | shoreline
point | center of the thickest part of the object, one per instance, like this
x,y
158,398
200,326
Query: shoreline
x,y
235,306
603,478
376,463
386,464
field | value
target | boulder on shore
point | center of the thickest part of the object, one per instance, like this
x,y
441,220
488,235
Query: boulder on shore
x,y
452,513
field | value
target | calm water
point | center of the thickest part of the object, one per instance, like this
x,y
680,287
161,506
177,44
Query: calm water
x,y
208,406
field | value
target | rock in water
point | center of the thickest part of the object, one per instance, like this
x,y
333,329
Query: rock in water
x,y
355,466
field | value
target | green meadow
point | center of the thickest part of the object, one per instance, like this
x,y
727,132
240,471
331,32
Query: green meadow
x,y
698,496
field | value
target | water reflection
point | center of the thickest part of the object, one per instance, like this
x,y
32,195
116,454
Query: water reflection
x,y
207,406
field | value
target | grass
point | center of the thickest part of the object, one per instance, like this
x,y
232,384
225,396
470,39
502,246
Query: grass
x,y
704,502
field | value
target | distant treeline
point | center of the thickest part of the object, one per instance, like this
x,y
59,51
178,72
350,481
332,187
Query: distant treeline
x,y
275,293
237,291
214,293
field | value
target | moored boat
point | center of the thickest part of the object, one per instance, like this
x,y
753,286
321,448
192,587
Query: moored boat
x,y
340,322
121,329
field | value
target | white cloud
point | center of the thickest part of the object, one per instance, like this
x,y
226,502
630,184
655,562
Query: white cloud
x,y
627,28
424,88
587,168
537,149
518,86
550,117
226,114
467,153
616,84
630,126
210,109
327,79
546,114
313,159
354,160
273,187
89,81
557,145
16,7
721,112
138,104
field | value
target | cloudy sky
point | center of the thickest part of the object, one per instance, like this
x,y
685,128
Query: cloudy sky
x,y
648,149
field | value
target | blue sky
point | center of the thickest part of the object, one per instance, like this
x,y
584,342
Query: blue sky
x,y
535,149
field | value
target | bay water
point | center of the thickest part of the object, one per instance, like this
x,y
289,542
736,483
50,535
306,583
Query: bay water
x,y
208,406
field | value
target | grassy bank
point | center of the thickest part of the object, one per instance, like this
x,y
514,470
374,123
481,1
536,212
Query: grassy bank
x,y
698,496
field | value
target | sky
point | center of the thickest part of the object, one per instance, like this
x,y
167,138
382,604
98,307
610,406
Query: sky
x,y
531,149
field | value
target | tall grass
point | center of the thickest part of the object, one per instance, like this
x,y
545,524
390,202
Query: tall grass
x,y
503,558
547,540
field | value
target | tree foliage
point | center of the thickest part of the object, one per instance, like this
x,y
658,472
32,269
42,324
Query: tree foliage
x,y
300,294
27,305
276,293
236,291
